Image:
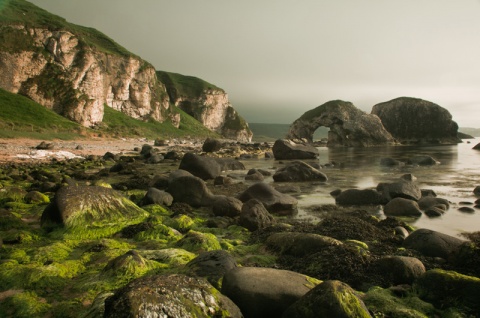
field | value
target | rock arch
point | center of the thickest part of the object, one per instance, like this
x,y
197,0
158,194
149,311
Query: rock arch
x,y
349,126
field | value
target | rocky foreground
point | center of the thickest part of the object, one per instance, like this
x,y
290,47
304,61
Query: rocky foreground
x,y
165,230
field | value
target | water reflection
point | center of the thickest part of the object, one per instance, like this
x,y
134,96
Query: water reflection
x,y
454,178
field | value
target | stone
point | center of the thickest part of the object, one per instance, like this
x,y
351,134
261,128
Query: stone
x,y
175,296
417,121
402,189
156,196
171,256
222,180
390,162
274,201
299,171
254,175
466,209
299,244
423,161
477,146
197,242
212,265
287,149
82,206
200,166
476,191
254,216
190,190
229,164
402,207
432,243
359,197
433,212
349,126
331,298
211,145
45,146
397,270
226,206
265,292
428,202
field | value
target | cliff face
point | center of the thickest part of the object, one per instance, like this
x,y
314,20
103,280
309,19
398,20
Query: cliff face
x,y
206,103
60,71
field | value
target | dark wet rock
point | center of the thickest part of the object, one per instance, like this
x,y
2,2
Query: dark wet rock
x,y
298,171
397,270
175,296
408,177
147,151
287,188
222,180
428,202
299,244
401,232
450,289
155,158
45,146
335,193
423,161
402,207
254,175
178,173
255,216
432,243
477,146
173,155
360,197
264,292
416,121
476,191
80,206
428,193
226,206
349,126
274,201
156,196
160,142
212,265
284,149
190,190
200,166
211,145
402,189
229,164
466,209
331,298
434,212
390,162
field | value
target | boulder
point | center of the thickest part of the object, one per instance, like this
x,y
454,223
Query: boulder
x,y
82,206
349,126
360,197
265,292
175,296
299,244
222,180
170,256
211,145
423,161
402,207
428,202
274,201
477,146
254,175
200,166
331,298
197,242
390,162
212,265
476,191
432,243
229,164
190,190
254,216
284,149
402,189
298,171
416,121
226,206
397,270
156,196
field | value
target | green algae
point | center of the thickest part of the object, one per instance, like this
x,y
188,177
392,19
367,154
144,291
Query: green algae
x,y
24,305
197,242
182,223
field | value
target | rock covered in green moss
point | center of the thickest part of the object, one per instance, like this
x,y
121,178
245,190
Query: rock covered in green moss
x,y
196,242
265,292
36,197
173,296
450,289
300,244
170,256
85,206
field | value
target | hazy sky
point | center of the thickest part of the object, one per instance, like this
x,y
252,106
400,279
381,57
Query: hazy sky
x,y
277,59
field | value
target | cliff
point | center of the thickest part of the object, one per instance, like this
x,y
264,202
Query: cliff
x,y
75,71
207,103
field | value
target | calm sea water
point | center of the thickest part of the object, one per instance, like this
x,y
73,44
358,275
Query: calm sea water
x,y
453,179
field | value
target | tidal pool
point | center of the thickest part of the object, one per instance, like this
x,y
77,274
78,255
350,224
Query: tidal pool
x,y
453,179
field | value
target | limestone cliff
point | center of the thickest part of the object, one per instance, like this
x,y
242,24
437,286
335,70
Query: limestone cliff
x,y
75,71
206,103
416,121
349,126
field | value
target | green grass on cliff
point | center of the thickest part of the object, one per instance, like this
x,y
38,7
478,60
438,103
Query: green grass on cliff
x,y
29,15
21,117
183,85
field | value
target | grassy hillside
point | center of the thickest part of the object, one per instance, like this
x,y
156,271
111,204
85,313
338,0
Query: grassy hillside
x,y
21,117
178,84
475,132
271,132
25,13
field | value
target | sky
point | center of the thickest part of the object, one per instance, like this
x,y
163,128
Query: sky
x,y
277,59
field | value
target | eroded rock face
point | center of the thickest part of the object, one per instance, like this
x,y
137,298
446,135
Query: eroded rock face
x,y
349,126
417,121
60,71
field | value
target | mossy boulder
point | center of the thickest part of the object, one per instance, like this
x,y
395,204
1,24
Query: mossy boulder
x,y
36,198
129,266
170,256
328,299
196,242
299,244
174,296
450,289
89,206
182,223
